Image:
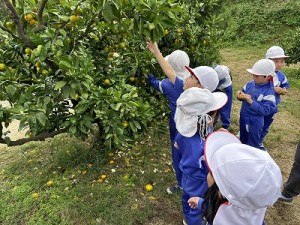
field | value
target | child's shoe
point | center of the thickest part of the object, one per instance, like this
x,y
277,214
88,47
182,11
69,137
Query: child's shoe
x,y
285,200
173,189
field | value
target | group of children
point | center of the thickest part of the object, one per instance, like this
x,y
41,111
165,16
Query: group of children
x,y
224,180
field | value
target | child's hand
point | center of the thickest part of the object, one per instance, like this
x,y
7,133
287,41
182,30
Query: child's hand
x,y
248,98
152,46
193,202
280,91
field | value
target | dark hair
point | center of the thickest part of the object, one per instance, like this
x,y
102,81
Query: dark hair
x,y
212,201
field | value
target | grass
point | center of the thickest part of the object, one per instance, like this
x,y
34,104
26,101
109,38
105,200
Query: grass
x,y
79,196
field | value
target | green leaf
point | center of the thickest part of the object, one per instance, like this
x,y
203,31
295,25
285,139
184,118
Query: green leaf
x,y
116,107
41,118
137,125
59,85
107,12
11,90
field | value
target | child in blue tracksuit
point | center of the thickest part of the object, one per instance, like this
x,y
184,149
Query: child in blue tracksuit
x,y
258,98
281,84
224,85
200,77
178,60
192,123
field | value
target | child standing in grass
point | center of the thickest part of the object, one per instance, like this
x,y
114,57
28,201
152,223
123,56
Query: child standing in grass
x,y
224,85
193,122
242,182
258,101
200,77
178,60
281,84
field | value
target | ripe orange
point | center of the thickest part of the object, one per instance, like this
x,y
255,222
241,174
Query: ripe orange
x,y
35,195
149,187
32,22
2,66
106,82
125,124
28,51
28,17
50,183
74,18
132,78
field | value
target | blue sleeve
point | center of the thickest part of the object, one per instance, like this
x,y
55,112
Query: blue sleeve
x,y
200,203
266,107
155,83
178,85
284,83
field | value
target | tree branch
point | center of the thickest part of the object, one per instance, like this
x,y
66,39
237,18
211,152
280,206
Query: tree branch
x,y
9,31
19,25
41,25
40,137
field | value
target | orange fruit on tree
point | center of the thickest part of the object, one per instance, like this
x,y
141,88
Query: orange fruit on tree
x,y
32,22
2,66
28,17
132,78
28,51
107,82
74,18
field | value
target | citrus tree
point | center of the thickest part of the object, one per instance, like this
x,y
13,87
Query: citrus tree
x,y
67,65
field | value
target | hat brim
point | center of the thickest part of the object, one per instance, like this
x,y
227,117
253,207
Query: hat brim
x,y
279,57
186,125
251,71
215,141
190,70
220,100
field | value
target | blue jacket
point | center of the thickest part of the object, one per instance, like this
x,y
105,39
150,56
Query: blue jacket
x,y
166,88
263,97
282,82
192,164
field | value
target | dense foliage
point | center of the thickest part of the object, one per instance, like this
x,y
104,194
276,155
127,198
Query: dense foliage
x,y
93,54
260,21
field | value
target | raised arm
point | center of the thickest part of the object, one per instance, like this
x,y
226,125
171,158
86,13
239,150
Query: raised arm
x,y
165,66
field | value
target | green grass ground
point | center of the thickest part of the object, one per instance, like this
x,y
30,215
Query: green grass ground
x,y
76,194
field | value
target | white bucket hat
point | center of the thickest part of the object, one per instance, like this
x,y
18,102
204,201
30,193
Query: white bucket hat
x,y
275,52
191,104
178,60
246,176
207,76
222,71
263,67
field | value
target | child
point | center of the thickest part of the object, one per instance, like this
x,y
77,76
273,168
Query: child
x,y
178,60
242,181
292,186
224,85
258,101
192,123
281,84
202,76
